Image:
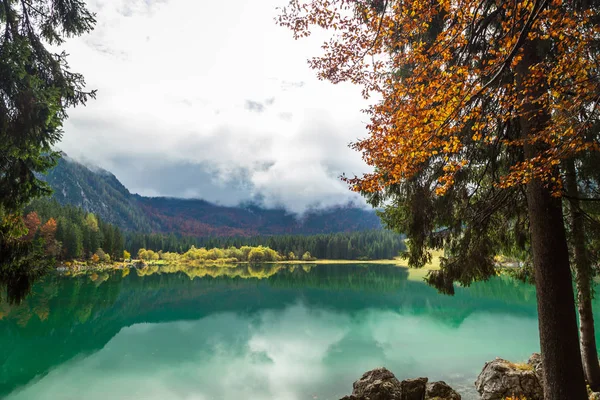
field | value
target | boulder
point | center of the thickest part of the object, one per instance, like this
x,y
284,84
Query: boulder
x,y
413,389
536,363
441,391
500,379
381,384
377,384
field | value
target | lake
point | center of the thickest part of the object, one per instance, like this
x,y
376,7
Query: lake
x,y
254,332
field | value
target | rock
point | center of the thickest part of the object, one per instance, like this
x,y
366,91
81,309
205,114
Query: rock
x,y
377,384
413,389
536,362
595,396
381,384
500,379
441,391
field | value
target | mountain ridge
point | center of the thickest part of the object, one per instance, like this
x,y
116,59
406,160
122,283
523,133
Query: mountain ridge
x,y
100,192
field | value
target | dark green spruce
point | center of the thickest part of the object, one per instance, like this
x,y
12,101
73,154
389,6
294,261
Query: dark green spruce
x,y
36,89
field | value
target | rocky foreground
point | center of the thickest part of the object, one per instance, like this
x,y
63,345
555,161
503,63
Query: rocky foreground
x,y
499,380
381,384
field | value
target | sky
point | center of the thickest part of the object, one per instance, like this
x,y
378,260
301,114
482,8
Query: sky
x,y
212,100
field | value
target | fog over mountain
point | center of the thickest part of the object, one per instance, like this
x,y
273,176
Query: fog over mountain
x,y
100,192
178,115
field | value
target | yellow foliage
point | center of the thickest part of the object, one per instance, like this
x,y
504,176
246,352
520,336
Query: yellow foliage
x,y
445,92
521,366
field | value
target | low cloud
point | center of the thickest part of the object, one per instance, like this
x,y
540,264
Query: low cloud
x,y
192,122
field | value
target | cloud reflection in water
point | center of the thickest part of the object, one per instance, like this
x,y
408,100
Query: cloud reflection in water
x,y
294,353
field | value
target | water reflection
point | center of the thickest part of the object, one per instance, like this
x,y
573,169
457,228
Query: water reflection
x,y
297,333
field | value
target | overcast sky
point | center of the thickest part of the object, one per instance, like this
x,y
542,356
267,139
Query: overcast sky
x,y
212,100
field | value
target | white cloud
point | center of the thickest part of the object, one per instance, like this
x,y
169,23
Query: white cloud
x,y
217,87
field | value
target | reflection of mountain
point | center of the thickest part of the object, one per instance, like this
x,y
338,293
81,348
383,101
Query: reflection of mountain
x,y
65,317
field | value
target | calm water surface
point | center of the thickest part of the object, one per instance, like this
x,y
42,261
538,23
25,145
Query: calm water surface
x,y
262,332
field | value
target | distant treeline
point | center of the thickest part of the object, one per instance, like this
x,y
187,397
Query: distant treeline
x,y
363,245
69,233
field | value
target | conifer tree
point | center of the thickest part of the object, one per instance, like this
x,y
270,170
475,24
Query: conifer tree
x,y
36,89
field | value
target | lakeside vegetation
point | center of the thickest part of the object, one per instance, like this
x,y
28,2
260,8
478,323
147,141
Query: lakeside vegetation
x,y
359,245
80,240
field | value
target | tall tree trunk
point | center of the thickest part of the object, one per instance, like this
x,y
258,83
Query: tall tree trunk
x,y
563,371
583,276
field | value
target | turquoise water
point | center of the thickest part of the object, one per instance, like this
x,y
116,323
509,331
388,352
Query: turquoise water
x,y
262,332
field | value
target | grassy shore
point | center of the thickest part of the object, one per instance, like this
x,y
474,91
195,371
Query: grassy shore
x,y
399,262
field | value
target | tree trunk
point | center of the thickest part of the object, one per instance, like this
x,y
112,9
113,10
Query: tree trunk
x,y
583,276
563,371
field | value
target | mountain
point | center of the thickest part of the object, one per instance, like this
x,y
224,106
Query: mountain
x,y
99,191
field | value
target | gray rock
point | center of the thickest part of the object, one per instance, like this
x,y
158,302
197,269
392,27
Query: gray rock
x,y
377,384
381,384
500,379
536,362
413,389
441,391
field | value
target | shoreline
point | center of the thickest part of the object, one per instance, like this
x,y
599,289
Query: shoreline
x,y
228,269
79,265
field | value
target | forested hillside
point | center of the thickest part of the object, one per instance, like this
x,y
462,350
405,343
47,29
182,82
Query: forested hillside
x,y
69,233
191,217
363,245
100,192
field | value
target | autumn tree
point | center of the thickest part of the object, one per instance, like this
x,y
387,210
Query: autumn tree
x,y
102,256
32,223
147,255
481,100
262,254
48,232
91,222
